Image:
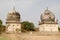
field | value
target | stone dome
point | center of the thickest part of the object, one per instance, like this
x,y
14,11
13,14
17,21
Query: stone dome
x,y
13,16
47,16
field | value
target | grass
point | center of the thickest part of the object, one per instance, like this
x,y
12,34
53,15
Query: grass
x,y
2,38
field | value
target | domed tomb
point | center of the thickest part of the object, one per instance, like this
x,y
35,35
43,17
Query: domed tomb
x,y
13,22
48,22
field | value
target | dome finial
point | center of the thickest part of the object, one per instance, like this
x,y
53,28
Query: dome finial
x,y
14,8
46,8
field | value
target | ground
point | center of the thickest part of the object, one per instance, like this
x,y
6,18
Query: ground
x,y
31,36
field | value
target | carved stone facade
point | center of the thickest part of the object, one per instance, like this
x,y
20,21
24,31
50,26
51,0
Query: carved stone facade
x,y
13,22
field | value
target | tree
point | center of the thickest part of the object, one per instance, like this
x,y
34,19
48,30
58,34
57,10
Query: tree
x,y
27,26
59,28
0,26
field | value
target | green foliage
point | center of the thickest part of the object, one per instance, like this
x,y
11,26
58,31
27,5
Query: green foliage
x,y
0,22
59,28
0,26
2,38
17,30
27,26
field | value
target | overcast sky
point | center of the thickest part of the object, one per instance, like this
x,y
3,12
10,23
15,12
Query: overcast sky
x,y
29,10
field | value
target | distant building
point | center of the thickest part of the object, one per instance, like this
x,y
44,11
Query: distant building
x,y
48,22
13,22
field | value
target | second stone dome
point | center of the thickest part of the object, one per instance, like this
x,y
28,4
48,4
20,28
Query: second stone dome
x,y
47,16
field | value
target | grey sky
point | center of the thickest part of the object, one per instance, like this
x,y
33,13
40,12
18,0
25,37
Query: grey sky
x,y
29,10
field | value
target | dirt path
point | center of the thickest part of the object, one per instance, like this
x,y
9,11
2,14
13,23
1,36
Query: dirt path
x,y
12,36
30,37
